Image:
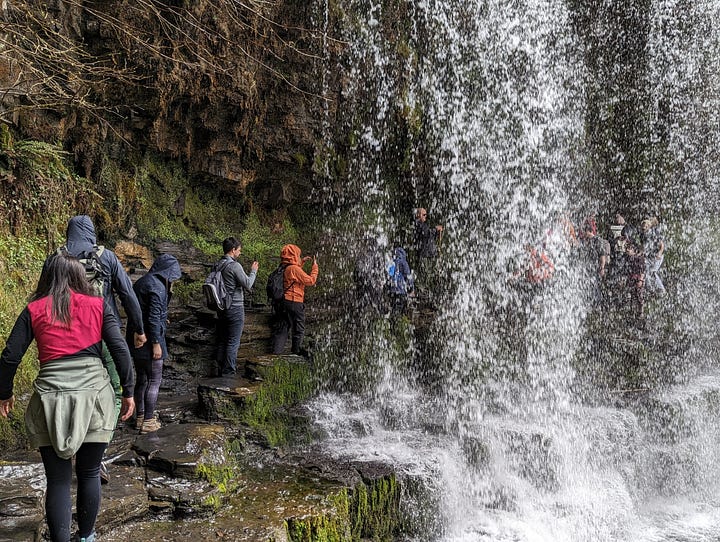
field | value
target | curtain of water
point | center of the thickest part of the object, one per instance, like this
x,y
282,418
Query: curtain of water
x,y
486,406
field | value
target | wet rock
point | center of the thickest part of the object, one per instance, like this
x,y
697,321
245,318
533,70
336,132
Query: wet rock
x,y
179,449
21,501
224,398
124,497
133,254
182,498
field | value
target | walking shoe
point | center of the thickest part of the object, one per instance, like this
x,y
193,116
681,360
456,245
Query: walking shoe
x,y
150,425
89,538
104,474
139,422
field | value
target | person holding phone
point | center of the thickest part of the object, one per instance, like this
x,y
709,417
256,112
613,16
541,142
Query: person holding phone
x,y
291,320
232,320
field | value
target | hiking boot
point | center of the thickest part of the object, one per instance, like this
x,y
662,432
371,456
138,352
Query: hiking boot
x,y
139,422
104,474
150,425
89,538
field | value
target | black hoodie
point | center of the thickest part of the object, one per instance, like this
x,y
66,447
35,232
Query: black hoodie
x,y
80,240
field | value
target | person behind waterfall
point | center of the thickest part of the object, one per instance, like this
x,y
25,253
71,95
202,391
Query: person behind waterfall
x,y
153,290
81,242
653,246
635,278
232,320
426,247
400,282
72,409
291,319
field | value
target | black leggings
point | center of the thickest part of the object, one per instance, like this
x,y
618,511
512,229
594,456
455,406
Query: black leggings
x,y
58,504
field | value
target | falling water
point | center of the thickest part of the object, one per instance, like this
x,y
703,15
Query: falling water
x,y
512,409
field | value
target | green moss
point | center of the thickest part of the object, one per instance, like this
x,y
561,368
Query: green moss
x,y
262,241
285,384
21,260
369,511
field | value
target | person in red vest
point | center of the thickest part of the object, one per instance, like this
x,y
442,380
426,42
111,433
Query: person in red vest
x,y
72,409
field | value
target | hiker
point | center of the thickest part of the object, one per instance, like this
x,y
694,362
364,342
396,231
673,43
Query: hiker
x,y
539,267
589,225
81,242
426,247
597,250
369,277
618,256
291,319
72,409
400,282
635,278
653,247
231,321
153,291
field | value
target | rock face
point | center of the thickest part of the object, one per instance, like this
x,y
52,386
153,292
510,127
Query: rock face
x,y
231,91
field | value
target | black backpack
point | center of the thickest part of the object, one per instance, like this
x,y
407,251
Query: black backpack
x,y
94,272
216,296
275,284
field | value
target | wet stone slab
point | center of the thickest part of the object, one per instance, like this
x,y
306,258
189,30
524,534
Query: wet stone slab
x,y
223,398
21,501
178,449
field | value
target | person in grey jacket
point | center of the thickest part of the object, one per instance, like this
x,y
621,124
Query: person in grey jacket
x,y
231,320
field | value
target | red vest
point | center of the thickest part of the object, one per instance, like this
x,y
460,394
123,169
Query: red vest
x,y
54,339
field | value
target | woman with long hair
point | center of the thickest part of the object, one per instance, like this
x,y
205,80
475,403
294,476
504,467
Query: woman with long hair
x,y
72,410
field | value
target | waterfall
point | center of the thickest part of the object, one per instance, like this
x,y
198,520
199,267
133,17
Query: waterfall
x,y
531,412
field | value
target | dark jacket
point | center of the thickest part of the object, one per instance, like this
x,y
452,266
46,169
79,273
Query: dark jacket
x,y
80,240
153,293
425,238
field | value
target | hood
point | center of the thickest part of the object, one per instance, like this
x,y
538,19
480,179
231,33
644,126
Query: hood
x,y
400,254
167,266
290,254
80,235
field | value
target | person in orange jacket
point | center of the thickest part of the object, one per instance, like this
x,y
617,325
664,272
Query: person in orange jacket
x,y
291,319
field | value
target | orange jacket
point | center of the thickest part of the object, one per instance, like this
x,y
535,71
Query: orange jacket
x,y
294,278
541,268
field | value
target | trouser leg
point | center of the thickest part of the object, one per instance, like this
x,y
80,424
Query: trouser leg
x,y
297,319
281,328
87,470
153,386
58,505
235,322
141,384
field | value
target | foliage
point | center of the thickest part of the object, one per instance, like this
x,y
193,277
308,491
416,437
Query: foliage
x,y
263,243
20,262
171,207
38,190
